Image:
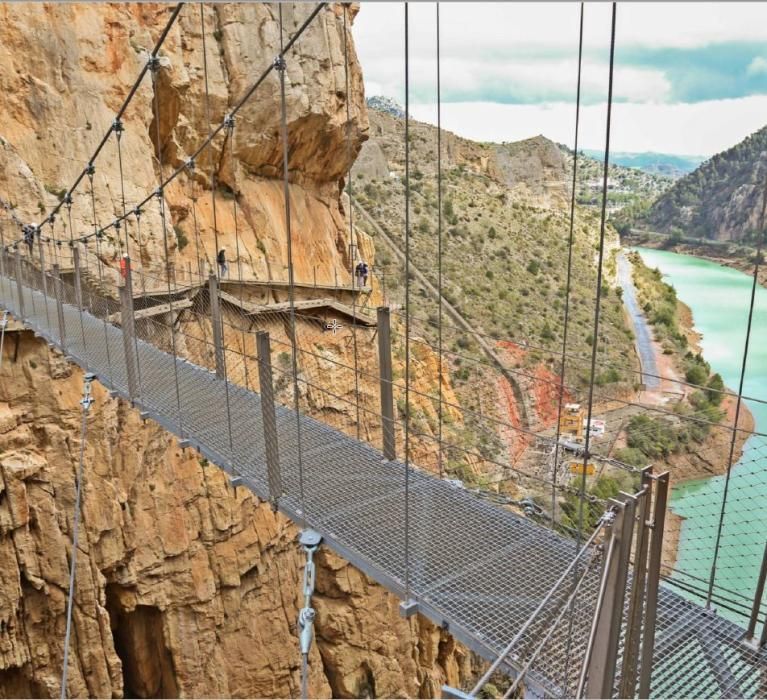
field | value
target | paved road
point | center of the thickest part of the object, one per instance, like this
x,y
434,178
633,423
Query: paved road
x,y
642,332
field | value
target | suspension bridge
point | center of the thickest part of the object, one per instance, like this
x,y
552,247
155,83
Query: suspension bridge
x,y
592,616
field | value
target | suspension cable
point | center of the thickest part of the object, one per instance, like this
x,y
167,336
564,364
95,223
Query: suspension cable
x,y
568,283
237,107
559,449
353,245
238,253
118,128
407,304
155,64
213,173
281,67
91,171
739,402
86,402
520,633
598,297
440,409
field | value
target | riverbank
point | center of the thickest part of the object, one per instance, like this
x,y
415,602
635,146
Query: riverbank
x,y
698,460
743,263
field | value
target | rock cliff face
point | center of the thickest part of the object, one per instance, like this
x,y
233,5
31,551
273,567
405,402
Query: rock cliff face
x,y
720,200
185,586
66,70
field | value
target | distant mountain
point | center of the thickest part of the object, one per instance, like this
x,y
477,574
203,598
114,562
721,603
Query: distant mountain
x,y
630,190
666,164
387,105
720,200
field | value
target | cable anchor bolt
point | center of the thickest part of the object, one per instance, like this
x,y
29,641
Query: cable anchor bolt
x,y
87,399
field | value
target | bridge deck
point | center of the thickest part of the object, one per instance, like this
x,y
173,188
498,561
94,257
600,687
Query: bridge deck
x,y
475,567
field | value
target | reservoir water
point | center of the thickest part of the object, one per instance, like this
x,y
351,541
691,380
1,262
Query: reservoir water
x,y
719,298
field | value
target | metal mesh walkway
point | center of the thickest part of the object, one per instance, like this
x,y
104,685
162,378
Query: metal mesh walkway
x,y
475,568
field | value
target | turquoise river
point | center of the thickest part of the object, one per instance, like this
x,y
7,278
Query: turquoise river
x,y
719,298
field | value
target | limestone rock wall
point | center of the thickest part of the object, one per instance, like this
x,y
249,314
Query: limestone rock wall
x,y
185,586
65,70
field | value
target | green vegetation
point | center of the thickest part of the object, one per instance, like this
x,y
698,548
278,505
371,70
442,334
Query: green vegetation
x,y
631,191
721,196
181,238
604,488
659,302
653,438
58,192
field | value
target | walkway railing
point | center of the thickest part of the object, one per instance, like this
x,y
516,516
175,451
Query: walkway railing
x,y
478,569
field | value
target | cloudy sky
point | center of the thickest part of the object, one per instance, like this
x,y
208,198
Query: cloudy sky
x,y
690,78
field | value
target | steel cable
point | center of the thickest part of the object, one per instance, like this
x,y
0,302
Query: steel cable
x,y
739,403
281,69
353,247
161,201
598,294
85,403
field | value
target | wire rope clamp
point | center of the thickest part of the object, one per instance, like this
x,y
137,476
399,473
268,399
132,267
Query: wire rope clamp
x,y
229,122
117,127
408,608
153,63
87,399
158,193
137,213
189,165
310,540
90,170
68,199
279,62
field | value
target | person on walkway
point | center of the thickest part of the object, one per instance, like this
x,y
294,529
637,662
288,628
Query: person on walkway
x,y
221,260
29,238
358,274
364,270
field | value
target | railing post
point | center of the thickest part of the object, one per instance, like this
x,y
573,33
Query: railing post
x,y
128,330
269,418
636,603
17,265
757,604
606,628
387,388
653,580
42,263
215,319
58,290
78,282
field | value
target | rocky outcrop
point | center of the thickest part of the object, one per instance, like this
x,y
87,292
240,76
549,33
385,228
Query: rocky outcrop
x,y
185,586
719,200
66,70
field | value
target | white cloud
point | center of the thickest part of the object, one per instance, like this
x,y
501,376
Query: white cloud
x,y
757,67
701,128
479,27
527,52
